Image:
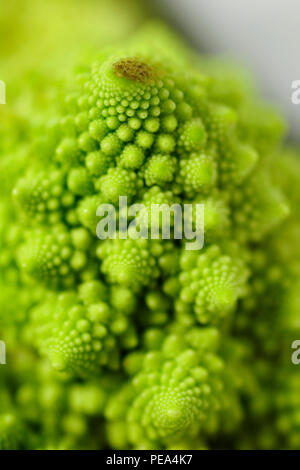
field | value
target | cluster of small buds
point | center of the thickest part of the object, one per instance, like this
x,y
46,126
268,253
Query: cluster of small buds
x,y
148,344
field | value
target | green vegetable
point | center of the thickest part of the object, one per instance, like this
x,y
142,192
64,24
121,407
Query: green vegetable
x,y
141,343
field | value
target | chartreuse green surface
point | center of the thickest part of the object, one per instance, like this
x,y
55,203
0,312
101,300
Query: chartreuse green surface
x,y
142,344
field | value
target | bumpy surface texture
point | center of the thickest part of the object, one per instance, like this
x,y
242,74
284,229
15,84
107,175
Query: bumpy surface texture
x,y
142,343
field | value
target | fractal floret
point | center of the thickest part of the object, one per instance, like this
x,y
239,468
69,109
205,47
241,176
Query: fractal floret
x,y
142,342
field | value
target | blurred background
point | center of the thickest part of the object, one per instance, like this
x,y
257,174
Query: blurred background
x,y
40,39
264,35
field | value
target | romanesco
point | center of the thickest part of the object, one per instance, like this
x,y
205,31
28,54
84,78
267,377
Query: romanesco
x,y
139,343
